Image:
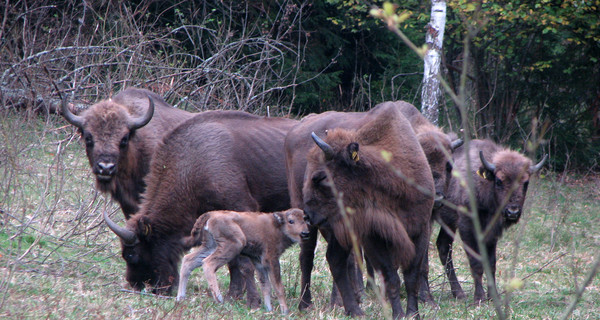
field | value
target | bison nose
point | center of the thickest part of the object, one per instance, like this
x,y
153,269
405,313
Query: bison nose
x,y
304,235
513,212
106,169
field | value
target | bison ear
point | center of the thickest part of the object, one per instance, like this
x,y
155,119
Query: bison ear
x,y
144,228
352,152
279,218
485,174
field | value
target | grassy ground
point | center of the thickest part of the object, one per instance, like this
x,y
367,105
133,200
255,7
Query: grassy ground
x,y
59,261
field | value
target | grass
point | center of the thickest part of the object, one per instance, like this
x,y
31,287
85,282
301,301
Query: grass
x,y
59,261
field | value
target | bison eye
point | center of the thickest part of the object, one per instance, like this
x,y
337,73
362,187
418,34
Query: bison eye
x,y
89,141
498,183
124,141
318,177
291,221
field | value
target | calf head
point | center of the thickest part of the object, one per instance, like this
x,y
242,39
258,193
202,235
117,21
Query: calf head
x,y
151,258
438,149
106,128
293,223
509,171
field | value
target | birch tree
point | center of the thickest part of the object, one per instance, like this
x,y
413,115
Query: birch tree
x,y
431,92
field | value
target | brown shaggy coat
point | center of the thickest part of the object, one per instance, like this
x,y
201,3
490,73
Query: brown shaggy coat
x,y
500,194
217,160
223,235
388,215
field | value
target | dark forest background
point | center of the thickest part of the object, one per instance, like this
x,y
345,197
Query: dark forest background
x,y
533,67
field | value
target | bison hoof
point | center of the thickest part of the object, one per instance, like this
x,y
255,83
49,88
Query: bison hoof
x,y
303,305
180,298
219,298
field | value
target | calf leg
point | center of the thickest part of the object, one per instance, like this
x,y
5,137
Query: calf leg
x,y
190,262
275,275
444,246
265,285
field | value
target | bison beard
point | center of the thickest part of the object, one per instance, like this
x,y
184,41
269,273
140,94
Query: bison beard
x,y
501,178
214,161
389,217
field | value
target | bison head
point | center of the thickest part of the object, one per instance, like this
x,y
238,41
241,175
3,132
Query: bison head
x,y
438,149
319,198
151,259
509,171
293,224
107,127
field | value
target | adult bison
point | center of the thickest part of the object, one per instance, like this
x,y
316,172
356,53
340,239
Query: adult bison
x,y
297,145
377,196
501,177
217,160
120,136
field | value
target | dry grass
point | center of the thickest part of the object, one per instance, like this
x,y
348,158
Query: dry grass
x,y
59,261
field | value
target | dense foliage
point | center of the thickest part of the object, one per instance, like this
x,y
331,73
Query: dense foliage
x,y
533,64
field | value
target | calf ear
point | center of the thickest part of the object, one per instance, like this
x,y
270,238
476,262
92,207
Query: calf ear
x,y
279,218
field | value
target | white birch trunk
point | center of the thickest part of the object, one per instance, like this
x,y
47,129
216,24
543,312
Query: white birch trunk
x,y
431,92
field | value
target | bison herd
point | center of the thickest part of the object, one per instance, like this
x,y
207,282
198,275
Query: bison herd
x,y
222,183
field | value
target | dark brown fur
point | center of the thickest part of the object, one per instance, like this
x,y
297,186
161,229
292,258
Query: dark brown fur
x,y
438,148
500,196
217,160
390,217
222,235
105,129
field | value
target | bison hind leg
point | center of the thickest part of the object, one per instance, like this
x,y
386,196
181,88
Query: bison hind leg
x,y
192,261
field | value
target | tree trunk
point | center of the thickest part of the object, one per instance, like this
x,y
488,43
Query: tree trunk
x,y
431,92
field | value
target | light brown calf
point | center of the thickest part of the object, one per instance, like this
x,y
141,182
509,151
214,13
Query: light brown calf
x,y
223,235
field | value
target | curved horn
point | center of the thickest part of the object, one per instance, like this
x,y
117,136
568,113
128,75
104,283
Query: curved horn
x,y
127,236
489,166
456,143
540,164
143,120
69,116
327,149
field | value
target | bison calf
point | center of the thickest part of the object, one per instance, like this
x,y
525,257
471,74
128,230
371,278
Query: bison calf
x,y
263,237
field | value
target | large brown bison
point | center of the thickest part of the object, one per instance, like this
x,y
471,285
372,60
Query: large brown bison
x,y
501,177
120,136
389,216
297,145
217,160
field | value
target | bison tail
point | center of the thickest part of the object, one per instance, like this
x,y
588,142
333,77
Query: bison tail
x,y
191,241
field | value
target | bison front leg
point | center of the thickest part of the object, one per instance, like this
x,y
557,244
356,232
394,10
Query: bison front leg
x,y
265,285
307,256
241,274
275,276
444,246
337,257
